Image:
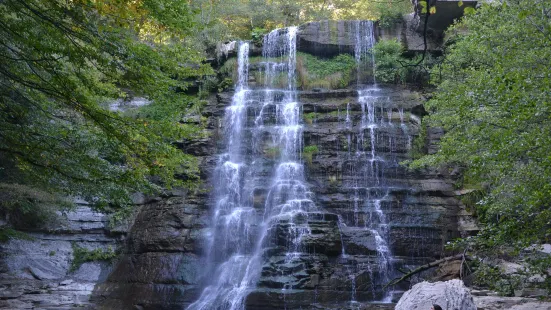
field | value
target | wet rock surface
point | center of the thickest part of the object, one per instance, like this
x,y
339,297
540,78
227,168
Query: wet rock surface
x,y
164,259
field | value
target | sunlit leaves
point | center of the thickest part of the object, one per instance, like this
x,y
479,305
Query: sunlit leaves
x,y
62,61
494,103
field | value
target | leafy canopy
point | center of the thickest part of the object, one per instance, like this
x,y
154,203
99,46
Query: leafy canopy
x,y
62,62
232,19
494,102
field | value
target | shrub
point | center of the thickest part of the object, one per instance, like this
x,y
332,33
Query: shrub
x,y
331,73
309,117
389,63
30,207
257,34
8,233
84,255
308,152
390,14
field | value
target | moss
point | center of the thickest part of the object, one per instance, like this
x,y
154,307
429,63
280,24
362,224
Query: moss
x,y
272,152
312,71
8,233
308,152
84,255
419,147
310,117
330,73
52,253
229,68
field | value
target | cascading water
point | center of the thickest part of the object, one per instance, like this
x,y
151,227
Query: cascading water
x,y
363,47
241,229
232,244
371,162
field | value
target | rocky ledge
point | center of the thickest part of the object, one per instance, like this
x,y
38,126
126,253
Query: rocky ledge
x,y
36,269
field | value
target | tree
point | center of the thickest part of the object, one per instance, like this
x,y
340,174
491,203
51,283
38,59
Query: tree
x,y
62,62
236,19
494,102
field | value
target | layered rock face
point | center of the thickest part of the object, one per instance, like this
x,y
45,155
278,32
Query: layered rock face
x,y
362,215
165,259
420,210
160,267
162,261
36,270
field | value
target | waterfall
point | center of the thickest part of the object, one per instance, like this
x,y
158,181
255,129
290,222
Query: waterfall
x,y
364,41
241,230
231,244
372,160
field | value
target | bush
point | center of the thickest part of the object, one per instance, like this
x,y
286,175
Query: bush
x,y
309,117
8,233
390,14
332,73
390,66
84,255
257,34
30,207
308,152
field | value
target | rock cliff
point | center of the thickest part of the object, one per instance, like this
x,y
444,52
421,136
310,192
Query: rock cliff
x,y
162,266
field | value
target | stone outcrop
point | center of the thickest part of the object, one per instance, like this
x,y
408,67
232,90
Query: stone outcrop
x,y
339,267
330,38
161,268
450,295
35,271
510,303
161,263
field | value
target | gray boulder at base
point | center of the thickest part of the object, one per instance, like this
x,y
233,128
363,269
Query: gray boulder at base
x,y
450,295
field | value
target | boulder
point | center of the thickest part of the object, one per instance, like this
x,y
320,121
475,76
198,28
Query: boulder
x,y
450,295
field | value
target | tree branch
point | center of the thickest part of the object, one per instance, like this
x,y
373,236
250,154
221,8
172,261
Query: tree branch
x,y
430,265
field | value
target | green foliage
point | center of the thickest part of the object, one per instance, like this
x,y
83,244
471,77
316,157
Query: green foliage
x,y
84,255
225,84
308,152
391,12
494,103
392,67
272,152
229,68
250,19
389,63
419,145
29,207
9,233
52,253
494,279
309,117
257,35
333,73
62,61
533,264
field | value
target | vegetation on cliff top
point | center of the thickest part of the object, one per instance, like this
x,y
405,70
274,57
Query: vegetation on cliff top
x,y
249,19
